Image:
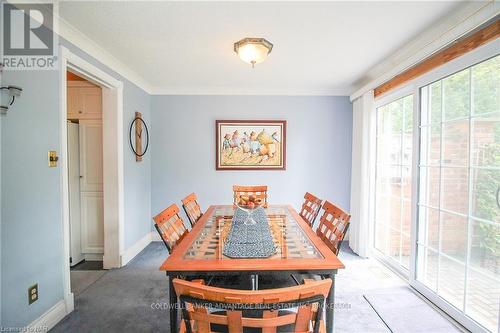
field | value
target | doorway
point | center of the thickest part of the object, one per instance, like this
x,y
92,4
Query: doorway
x,y
112,165
85,182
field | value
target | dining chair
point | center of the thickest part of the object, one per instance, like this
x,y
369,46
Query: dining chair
x,y
172,231
259,192
292,309
333,226
192,208
310,208
332,229
170,227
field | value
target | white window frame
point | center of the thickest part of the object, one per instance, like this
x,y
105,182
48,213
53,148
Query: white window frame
x,y
413,87
379,102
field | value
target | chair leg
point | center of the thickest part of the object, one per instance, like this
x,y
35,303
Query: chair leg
x,y
295,279
255,281
209,281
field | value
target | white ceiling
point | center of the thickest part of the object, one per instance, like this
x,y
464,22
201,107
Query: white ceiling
x,y
187,47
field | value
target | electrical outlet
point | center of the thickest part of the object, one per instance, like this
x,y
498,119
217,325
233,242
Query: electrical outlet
x,y
33,293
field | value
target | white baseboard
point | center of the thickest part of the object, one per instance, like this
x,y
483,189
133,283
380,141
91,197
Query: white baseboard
x,y
49,319
155,237
69,300
135,249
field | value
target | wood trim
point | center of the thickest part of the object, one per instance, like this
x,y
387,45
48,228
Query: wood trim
x,y
283,123
176,262
51,317
138,137
457,49
73,77
81,84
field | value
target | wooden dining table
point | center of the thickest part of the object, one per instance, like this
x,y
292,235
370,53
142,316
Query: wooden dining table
x,y
298,251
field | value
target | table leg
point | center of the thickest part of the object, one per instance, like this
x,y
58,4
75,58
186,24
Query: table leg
x,y
330,302
172,300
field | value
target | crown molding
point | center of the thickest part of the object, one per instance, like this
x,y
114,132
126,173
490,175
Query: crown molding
x,y
249,91
464,19
80,40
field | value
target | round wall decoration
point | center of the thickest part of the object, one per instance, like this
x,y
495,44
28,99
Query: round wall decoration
x,y
140,129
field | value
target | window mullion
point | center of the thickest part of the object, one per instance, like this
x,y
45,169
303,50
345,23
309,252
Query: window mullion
x,y
469,209
401,212
440,197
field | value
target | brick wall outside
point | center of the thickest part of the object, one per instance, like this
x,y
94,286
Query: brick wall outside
x,y
454,190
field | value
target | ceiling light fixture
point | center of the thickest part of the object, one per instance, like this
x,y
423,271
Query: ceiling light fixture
x,y
253,50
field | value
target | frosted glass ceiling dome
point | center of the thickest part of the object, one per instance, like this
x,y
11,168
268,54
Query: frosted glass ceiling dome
x,y
253,50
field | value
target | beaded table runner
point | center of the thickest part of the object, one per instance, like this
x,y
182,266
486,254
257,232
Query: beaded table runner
x,y
249,240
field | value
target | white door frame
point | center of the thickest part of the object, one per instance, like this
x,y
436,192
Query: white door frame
x,y
478,55
113,187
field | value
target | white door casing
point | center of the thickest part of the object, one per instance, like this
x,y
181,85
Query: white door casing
x,y
112,102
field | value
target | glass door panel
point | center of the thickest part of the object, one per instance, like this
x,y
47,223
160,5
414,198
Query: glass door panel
x,y
393,184
458,238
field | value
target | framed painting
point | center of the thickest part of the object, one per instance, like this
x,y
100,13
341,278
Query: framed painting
x,y
250,144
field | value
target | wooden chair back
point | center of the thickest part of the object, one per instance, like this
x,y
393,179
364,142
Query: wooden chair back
x,y
192,208
239,309
310,208
333,226
258,191
170,227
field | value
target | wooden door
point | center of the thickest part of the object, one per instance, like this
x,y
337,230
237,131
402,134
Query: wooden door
x,y
72,99
91,184
91,102
91,155
84,100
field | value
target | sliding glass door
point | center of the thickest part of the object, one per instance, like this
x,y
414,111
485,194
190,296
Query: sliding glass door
x,y
458,225
394,181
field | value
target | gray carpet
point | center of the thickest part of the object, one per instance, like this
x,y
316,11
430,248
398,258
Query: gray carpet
x,y
81,280
354,314
403,311
121,300
130,299
88,265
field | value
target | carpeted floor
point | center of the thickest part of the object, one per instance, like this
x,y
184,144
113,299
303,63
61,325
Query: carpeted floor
x,y
84,274
81,280
369,298
86,265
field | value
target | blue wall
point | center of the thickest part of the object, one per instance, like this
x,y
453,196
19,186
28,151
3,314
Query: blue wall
x,y
32,248
183,151
31,235
137,176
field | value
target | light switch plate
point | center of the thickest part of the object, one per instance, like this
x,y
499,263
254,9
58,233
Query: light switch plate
x,y
52,155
